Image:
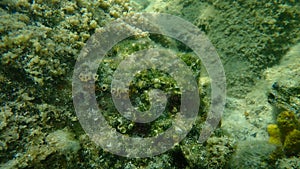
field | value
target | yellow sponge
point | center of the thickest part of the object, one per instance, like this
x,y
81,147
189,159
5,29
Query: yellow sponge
x,y
274,134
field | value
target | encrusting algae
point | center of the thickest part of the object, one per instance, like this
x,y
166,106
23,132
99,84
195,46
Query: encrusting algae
x,y
286,133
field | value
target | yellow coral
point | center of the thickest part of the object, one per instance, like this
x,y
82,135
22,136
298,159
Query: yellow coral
x,y
274,134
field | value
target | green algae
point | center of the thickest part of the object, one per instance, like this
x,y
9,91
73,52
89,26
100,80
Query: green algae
x,y
248,35
40,41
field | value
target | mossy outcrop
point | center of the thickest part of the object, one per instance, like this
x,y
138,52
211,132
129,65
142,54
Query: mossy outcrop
x,y
286,133
40,41
249,36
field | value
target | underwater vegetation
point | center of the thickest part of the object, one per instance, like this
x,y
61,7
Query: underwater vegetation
x,y
40,41
286,133
284,97
214,154
246,38
252,154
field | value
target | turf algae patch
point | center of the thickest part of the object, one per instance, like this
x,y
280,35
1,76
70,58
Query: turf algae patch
x,y
139,25
39,43
249,36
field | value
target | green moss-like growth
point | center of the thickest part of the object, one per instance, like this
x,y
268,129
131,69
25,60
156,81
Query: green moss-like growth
x,y
42,38
285,79
292,143
248,35
39,43
265,29
139,88
259,33
288,163
253,155
289,133
214,154
287,122
285,92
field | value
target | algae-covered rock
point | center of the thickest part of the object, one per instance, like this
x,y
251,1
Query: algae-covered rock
x,y
63,141
249,36
284,95
284,82
288,163
287,122
42,38
214,154
292,143
252,154
40,42
285,134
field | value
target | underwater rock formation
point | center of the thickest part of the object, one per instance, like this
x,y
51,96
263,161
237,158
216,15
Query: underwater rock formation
x,y
40,42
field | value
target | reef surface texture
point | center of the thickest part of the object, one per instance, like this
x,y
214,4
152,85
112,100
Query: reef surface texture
x,y
258,43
